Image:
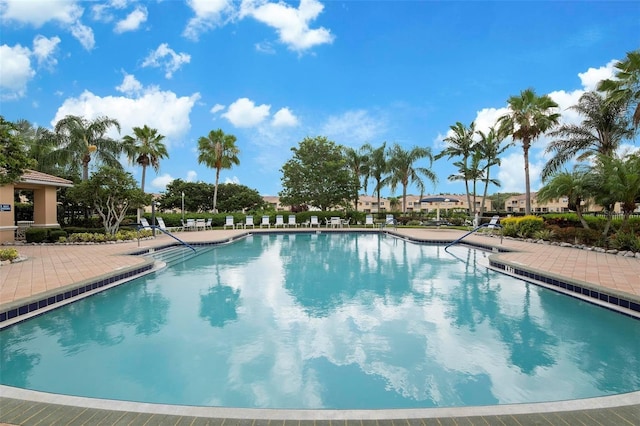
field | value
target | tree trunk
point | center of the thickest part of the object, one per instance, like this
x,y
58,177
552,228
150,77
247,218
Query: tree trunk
x,y
466,186
484,194
527,183
215,191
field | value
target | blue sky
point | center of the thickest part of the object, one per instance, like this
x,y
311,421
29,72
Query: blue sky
x,y
272,73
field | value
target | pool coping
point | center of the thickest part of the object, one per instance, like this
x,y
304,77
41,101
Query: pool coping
x,y
602,402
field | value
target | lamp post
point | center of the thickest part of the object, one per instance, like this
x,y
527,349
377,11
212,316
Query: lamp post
x,y
182,206
446,200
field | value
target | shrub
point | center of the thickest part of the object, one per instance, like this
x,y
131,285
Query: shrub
x,y
36,235
524,227
414,223
8,254
625,241
55,234
544,234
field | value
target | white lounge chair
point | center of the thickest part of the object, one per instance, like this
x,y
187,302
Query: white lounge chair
x,y
201,224
346,223
314,222
265,222
335,222
145,223
190,225
369,221
229,222
292,221
208,224
248,221
164,227
279,221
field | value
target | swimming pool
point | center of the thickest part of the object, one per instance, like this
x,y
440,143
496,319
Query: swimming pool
x,y
326,321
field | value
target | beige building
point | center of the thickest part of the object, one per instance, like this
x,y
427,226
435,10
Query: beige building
x,y
517,204
45,204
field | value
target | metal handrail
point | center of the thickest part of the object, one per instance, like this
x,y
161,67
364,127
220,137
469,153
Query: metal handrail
x,y
484,225
169,234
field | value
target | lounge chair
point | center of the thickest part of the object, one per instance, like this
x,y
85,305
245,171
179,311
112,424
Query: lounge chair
x,y
164,227
279,221
208,224
346,223
229,222
200,224
292,221
248,221
265,222
144,223
190,225
335,222
314,222
369,221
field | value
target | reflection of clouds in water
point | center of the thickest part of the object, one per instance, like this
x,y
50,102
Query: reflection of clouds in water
x,y
441,357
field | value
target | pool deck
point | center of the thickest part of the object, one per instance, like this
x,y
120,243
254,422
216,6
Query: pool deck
x,y
52,268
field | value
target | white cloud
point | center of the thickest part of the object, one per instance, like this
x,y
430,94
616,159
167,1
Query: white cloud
x,y
130,86
160,182
16,68
37,13
593,76
208,14
511,172
84,35
66,13
192,176
284,118
265,47
233,180
166,58
216,108
291,24
245,113
133,21
162,110
44,48
354,128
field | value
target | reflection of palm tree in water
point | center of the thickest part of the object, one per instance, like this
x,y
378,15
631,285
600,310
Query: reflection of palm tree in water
x,y
220,303
530,345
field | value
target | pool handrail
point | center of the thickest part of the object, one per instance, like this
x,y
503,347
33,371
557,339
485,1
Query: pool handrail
x,y
484,225
169,234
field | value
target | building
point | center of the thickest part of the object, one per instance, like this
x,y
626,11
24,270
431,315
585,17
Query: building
x,y
45,204
517,204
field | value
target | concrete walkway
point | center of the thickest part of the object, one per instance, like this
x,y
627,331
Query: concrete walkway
x,y
54,268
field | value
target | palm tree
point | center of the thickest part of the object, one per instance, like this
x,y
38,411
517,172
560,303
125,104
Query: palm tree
x,y
403,172
626,85
378,169
218,151
146,149
79,138
603,127
529,117
490,149
576,186
617,180
358,162
460,144
470,173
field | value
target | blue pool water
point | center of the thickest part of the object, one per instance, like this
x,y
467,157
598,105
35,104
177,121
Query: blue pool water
x,y
340,321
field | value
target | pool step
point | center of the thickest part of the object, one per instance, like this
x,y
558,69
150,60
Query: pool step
x,y
173,255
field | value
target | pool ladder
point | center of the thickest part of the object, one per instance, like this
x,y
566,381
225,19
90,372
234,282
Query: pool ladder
x,y
484,225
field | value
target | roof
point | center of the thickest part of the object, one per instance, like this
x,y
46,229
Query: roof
x,y
39,178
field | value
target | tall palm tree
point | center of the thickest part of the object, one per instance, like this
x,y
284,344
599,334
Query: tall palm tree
x,y
626,85
529,117
358,161
79,139
218,151
378,169
145,148
470,172
402,170
460,144
604,126
490,148
575,185
40,143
